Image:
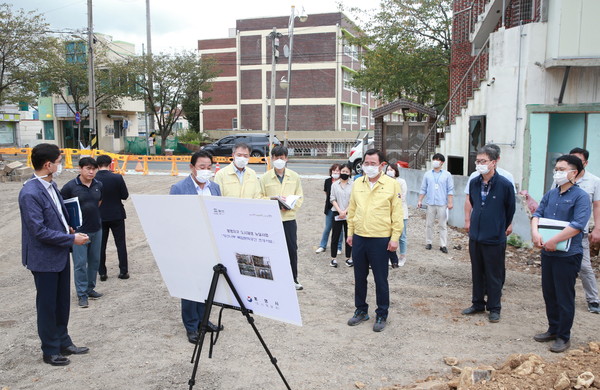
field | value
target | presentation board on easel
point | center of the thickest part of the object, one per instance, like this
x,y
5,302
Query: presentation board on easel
x,y
190,234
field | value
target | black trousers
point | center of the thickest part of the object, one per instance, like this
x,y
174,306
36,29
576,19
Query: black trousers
x,y
558,285
118,231
488,273
290,228
371,251
52,302
336,231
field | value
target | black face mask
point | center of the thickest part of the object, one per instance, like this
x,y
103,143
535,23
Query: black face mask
x,y
344,176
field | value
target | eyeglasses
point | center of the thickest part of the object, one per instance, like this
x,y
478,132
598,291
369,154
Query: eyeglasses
x,y
482,162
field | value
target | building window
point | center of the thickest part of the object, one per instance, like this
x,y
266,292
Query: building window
x,y
372,120
346,113
48,130
351,50
7,133
363,97
364,120
355,113
234,124
339,147
347,79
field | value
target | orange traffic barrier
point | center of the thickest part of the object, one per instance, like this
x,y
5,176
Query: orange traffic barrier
x,y
142,161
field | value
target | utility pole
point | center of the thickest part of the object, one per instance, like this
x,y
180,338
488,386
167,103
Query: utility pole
x,y
91,81
274,57
149,65
146,113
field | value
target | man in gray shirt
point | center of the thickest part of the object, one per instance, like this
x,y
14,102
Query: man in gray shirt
x,y
590,184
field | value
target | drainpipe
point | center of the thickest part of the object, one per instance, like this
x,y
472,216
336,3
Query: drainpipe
x,y
518,101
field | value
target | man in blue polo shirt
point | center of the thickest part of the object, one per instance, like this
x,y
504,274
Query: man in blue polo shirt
x,y
86,258
568,203
437,189
492,198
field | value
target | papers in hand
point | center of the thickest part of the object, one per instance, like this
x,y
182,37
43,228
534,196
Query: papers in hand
x,y
549,228
338,218
288,203
74,211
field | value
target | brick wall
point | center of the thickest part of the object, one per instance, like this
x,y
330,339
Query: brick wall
x,y
223,92
250,48
251,117
306,118
218,119
209,44
251,87
225,62
314,83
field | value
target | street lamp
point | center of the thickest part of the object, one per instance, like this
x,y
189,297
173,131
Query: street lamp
x,y
286,83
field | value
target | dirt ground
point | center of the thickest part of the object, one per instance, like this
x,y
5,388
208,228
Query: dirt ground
x,y
137,341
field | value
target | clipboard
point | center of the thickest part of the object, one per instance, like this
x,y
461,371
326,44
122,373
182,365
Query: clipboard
x,y
549,228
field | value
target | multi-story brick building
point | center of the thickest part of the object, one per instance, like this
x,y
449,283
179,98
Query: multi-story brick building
x,y
323,109
524,75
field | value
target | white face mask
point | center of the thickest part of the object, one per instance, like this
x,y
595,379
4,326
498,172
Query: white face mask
x,y
279,163
436,164
391,173
371,171
335,176
203,175
560,177
240,162
482,168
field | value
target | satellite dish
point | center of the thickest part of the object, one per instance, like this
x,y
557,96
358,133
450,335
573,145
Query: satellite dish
x,y
286,51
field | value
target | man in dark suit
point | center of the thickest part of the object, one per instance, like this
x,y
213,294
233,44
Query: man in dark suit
x,y
46,242
197,183
114,190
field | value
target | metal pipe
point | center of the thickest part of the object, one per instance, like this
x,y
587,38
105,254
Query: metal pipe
x,y
289,73
274,45
91,81
514,143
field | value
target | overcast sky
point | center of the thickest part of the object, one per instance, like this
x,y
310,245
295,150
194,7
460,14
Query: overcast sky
x,y
176,24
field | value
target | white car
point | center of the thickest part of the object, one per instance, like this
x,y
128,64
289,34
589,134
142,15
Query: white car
x,y
356,154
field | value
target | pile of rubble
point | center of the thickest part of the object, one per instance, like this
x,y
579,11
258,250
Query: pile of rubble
x,y
579,368
14,171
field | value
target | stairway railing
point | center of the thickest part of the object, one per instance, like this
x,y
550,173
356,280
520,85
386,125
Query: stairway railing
x,y
474,75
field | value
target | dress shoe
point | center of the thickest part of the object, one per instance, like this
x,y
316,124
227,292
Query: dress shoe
x,y
472,310
428,246
124,276
560,345
214,328
543,337
192,337
103,278
494,316
73,350
444,249
56,360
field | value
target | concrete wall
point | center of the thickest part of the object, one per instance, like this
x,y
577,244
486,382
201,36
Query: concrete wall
x,y
414,178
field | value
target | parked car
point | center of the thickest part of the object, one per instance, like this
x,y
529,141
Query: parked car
x,y
356,154
259,144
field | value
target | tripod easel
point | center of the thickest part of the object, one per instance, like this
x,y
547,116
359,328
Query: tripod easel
x,y
220,269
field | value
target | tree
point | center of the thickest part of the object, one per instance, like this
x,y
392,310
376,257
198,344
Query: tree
x,y
410,51
23,49
65,74
177,78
